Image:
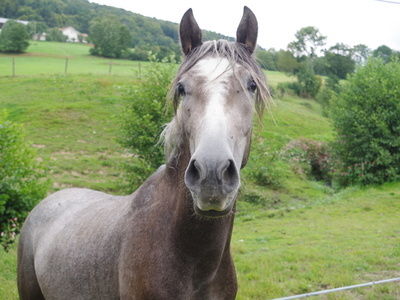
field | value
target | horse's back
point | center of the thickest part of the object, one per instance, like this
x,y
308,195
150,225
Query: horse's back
x,y
69,232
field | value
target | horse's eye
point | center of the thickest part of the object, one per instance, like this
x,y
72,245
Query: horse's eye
x,y
252,86
181,89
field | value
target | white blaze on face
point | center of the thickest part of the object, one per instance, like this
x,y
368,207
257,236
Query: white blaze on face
x,y
216,71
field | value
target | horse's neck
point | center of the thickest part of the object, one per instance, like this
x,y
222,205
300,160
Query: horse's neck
x,y
200,240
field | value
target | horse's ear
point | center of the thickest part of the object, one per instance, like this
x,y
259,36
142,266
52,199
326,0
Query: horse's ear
x,y
190,32
248,30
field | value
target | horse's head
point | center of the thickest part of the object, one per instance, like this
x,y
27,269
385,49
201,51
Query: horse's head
x,y
216,90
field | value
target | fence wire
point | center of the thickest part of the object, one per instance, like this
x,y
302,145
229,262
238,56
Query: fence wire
x,y
339,289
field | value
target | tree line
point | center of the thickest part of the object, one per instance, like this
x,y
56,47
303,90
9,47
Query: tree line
x,y
307,56
146,35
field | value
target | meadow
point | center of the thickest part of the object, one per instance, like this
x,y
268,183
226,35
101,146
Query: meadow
x,y
294,237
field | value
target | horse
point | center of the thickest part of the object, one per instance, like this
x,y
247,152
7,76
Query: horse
x,y
170,239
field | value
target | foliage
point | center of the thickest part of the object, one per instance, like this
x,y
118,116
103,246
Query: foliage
x,y
338,65
308,41
327,94
109,36
36,28
147,34
21,185
270,172
341,49
143,121
286,62
307,84
360,54
309,157
366,117
383,52
56,35
266,59
14,37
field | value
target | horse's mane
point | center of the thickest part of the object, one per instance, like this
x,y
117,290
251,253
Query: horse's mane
x,y
236,53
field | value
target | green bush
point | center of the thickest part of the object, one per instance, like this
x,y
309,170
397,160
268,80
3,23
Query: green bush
x,y
55,35
265,168
366,118
308,84
309,157
143,121
14,37
22,182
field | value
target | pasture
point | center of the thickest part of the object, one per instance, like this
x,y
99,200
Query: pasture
x,y
297,237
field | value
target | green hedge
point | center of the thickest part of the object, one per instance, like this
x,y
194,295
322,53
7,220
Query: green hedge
x,y
366,116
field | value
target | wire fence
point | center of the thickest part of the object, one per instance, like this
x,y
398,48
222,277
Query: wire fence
x,y
328,291
26,65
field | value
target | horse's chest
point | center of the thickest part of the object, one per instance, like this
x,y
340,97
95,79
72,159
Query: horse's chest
x,y
163,279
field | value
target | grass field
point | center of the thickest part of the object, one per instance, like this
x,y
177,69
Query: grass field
x,y
50,58
302,237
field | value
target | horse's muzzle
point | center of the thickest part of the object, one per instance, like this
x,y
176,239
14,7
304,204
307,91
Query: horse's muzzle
x,y
213,185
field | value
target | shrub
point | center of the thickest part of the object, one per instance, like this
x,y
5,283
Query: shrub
x,y
265,167
55,35
308,84
309,157
22,182
143,121
366,118
286,88
14,37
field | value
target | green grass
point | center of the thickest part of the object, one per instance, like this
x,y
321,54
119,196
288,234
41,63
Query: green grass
x,y
73,123
50,58
348,239
291,238
351,238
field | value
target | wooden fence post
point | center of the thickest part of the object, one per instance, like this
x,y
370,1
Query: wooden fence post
x,y
13,67
66,65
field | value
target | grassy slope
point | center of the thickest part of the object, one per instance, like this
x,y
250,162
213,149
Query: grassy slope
x,y
49,58
308,239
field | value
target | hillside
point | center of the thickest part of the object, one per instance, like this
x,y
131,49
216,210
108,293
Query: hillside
x,y
292,234
146,32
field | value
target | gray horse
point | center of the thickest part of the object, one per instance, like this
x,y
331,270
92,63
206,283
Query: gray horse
x,y
171,238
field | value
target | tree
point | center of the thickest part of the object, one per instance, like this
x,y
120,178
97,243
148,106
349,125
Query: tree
x,y
308,84
341,49
266,59
383,52
55,35
360,54
365,115
14,37
337,65
109,36
286,62
36,28
308,41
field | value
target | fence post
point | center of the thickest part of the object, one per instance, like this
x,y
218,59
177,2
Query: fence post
x,y
66,65
109,68
13,67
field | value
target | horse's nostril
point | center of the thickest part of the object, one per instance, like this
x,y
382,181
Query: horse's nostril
x,y
230,174
193,173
